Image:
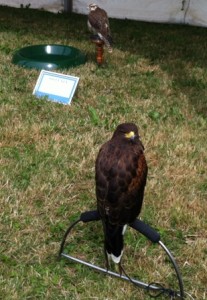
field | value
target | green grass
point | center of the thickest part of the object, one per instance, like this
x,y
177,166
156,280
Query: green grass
x,y
155,77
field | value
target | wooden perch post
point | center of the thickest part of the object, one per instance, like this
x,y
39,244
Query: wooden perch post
x,y
99,49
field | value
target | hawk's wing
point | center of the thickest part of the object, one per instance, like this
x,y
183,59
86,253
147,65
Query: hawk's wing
x,y
121,173
98,20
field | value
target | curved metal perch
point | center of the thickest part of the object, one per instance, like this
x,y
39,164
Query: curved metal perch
x,y
148,232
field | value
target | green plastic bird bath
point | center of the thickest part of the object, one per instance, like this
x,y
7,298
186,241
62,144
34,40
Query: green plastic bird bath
x,y
48,57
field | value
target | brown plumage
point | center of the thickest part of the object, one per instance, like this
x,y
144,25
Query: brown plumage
x,y
98,23
121,173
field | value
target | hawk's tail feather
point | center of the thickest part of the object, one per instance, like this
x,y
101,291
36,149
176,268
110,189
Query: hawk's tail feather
x,y
107,41
110,40
114,241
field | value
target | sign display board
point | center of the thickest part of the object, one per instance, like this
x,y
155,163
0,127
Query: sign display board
x,y
56,87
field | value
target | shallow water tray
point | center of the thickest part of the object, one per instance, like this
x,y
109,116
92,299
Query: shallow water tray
x,y
48,57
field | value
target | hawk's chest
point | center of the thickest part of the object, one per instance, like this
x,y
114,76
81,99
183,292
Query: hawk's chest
x,y
91,28
89,25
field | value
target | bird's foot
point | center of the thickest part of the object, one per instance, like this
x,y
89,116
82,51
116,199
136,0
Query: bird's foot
x,y
107,264
120,268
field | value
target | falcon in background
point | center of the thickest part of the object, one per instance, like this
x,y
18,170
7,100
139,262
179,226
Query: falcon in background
x,y
121,174
98,23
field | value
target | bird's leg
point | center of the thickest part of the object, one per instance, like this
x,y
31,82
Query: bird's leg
x,y
106,259
120,268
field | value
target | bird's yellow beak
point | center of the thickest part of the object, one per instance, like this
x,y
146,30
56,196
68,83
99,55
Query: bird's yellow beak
x,y
130,135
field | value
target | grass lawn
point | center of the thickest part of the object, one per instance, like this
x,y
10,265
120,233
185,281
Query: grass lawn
x,y
155,77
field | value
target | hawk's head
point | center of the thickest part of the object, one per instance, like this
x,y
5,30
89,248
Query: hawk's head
x,y
92,7
127,130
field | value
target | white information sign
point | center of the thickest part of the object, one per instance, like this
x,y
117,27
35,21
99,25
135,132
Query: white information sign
x,y
56,87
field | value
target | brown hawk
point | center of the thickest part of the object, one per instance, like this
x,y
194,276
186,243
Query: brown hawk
x,y
98,23
120,174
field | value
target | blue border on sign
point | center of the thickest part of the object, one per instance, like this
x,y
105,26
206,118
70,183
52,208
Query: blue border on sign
x,y
50,96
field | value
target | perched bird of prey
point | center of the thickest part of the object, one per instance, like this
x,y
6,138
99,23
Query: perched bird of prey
x,y
98,23
121,174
